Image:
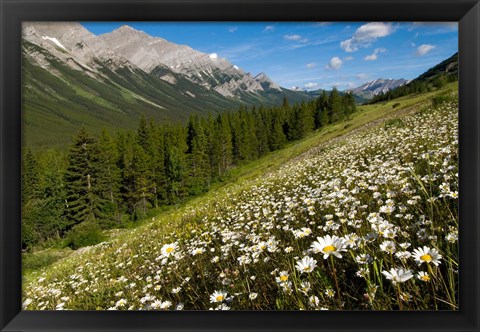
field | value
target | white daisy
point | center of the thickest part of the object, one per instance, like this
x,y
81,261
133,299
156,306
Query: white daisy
x,y
427,255
306,264
423,276
329,245
169,249
397,275
388,246
218,296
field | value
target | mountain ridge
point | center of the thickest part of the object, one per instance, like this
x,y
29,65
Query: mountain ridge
x,y
73,78
378,86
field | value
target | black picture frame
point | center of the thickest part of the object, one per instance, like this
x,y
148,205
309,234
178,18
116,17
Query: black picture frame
x,y
13,12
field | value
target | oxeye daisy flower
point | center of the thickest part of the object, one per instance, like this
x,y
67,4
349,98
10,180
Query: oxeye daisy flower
x,y
306,264
305,287
314,301
169,249
397,275
165,305
388,246
330,293
218,296
423,276
282,277
197,251
329,245
121,303
427,255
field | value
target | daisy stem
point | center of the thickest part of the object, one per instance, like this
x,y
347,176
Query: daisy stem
x,y
430,271
399,300
335,278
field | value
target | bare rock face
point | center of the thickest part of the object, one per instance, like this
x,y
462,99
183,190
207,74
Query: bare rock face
x,y
266,82
72,43
208,70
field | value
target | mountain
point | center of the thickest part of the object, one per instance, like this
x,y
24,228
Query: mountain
x,y
434,78
72,78
376,87
448,68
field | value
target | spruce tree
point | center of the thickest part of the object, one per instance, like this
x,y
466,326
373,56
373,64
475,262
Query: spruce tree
x,y
83,202
108,177
198,163
30,176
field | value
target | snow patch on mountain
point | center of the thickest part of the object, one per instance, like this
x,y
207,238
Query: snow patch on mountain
x,y
54,40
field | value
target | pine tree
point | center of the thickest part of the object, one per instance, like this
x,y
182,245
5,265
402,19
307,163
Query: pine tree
x,y
335,106
277,138
222,146
198,163
262,130
175,163
108,176
158,162
83,202
30,177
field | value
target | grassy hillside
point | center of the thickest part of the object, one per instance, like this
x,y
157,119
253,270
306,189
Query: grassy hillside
x,y
244,244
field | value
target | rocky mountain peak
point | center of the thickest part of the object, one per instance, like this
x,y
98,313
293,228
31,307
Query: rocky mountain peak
x,y
378,86
266,82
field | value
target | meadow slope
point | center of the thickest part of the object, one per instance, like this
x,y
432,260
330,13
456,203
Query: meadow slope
x,y
365,221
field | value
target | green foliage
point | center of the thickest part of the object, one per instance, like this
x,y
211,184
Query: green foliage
x,y
438,100
83,235
106,180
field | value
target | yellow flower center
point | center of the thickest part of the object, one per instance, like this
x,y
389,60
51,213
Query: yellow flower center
x,y
283,278
427,258
219,298
306,268
328,249
425,278
169,249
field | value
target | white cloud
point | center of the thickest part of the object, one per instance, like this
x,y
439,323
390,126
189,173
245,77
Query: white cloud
x,y
374,55
232,29
366,35
213,56
269,28
311,85
311,65
424,49
335,63
348,58
362,76
295,88
371,57
292,37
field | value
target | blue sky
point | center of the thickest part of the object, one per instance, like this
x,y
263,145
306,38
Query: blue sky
x,y
311,55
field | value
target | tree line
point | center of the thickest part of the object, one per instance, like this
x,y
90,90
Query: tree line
x,y
106,180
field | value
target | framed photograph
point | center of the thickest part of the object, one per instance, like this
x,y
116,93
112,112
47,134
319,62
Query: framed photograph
x,y
239,165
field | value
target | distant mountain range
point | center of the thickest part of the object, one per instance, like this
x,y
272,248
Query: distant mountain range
x,y
73,77
376,87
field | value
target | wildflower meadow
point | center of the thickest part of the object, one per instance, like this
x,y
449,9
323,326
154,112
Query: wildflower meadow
x,y
366,222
